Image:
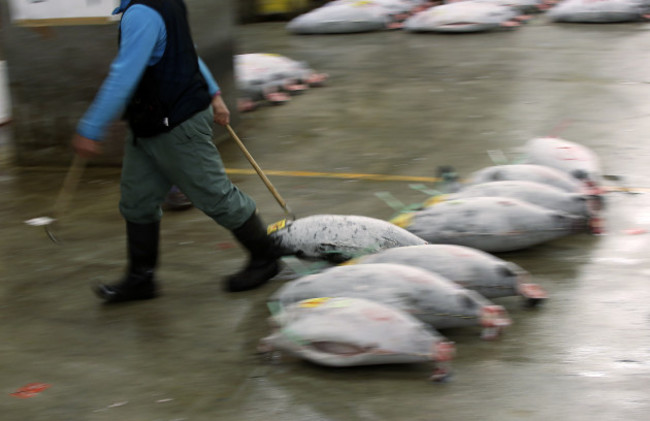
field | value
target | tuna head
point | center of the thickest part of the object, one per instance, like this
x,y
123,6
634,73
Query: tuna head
x,y
532,293
570,223
463,304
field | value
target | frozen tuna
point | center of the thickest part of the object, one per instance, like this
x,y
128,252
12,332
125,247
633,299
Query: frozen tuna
x,y
572,158
343,332
337,238
272,77
426,295
492,224
470,268
341,17
522,6
602,11
350,16
529,191
464,16
527,172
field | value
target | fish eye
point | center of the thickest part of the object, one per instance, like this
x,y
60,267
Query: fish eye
x,y
505,271
466,301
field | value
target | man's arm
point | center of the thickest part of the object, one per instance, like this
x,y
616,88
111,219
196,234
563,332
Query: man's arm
x,y
219,108
142,29
213,87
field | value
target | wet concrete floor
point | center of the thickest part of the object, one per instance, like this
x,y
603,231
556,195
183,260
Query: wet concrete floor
x,y
397,104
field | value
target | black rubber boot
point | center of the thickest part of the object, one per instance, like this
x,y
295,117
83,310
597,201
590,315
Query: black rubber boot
x,y
139,282
263,261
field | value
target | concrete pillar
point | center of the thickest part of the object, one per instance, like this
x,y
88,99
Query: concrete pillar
x,y
55,72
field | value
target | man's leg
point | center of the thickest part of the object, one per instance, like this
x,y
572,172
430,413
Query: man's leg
x,y
190,159
143,188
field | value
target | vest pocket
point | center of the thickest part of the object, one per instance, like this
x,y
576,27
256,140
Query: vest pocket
x,y
147,118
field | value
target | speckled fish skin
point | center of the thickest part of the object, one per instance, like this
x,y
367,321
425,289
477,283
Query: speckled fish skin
x,y
464,16
527,172
529,191
343,331
574,159
602,11
470,268
337,238
425,295
491,224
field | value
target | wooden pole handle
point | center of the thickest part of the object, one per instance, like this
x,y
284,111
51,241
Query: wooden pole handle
x,y
259,171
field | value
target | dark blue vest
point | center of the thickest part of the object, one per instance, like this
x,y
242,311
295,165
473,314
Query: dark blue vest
x,y
172,90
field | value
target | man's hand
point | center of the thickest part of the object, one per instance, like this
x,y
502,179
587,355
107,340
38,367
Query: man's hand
x,y
86,148
221,112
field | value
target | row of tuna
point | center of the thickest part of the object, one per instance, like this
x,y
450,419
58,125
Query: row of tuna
x,y
263,78
350,16
271,78
394,288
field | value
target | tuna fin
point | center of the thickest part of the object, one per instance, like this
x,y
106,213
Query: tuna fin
x,y
302,269
274,307
390,200
398,206
498,157
424,189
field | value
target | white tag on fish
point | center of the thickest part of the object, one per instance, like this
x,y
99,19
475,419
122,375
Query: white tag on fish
x,y
40,221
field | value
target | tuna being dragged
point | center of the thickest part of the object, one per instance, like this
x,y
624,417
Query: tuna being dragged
x,y
601,11
491,224
337,238
344,332
470,268
350,16
271,77
528,172
572,158
463,16
529,191
426,295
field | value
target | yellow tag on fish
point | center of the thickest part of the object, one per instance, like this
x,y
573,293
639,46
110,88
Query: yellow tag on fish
x,y
276,226
314,302
403,220
435,200
354,261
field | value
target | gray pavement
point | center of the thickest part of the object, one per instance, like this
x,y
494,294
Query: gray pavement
x,y
397,104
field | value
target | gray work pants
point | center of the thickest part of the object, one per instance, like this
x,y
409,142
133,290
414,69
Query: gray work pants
x,y
185,157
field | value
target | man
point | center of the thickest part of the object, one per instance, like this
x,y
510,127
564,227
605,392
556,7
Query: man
x,y
170,100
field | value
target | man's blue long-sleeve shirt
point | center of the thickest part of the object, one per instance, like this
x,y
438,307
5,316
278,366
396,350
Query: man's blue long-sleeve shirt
x,y
142,43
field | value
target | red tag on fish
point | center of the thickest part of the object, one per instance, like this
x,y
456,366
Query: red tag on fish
x,y
30,390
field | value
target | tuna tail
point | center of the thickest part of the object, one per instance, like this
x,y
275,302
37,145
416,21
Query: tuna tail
x,y
449,179
494,319
444,352
533,294
595,205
